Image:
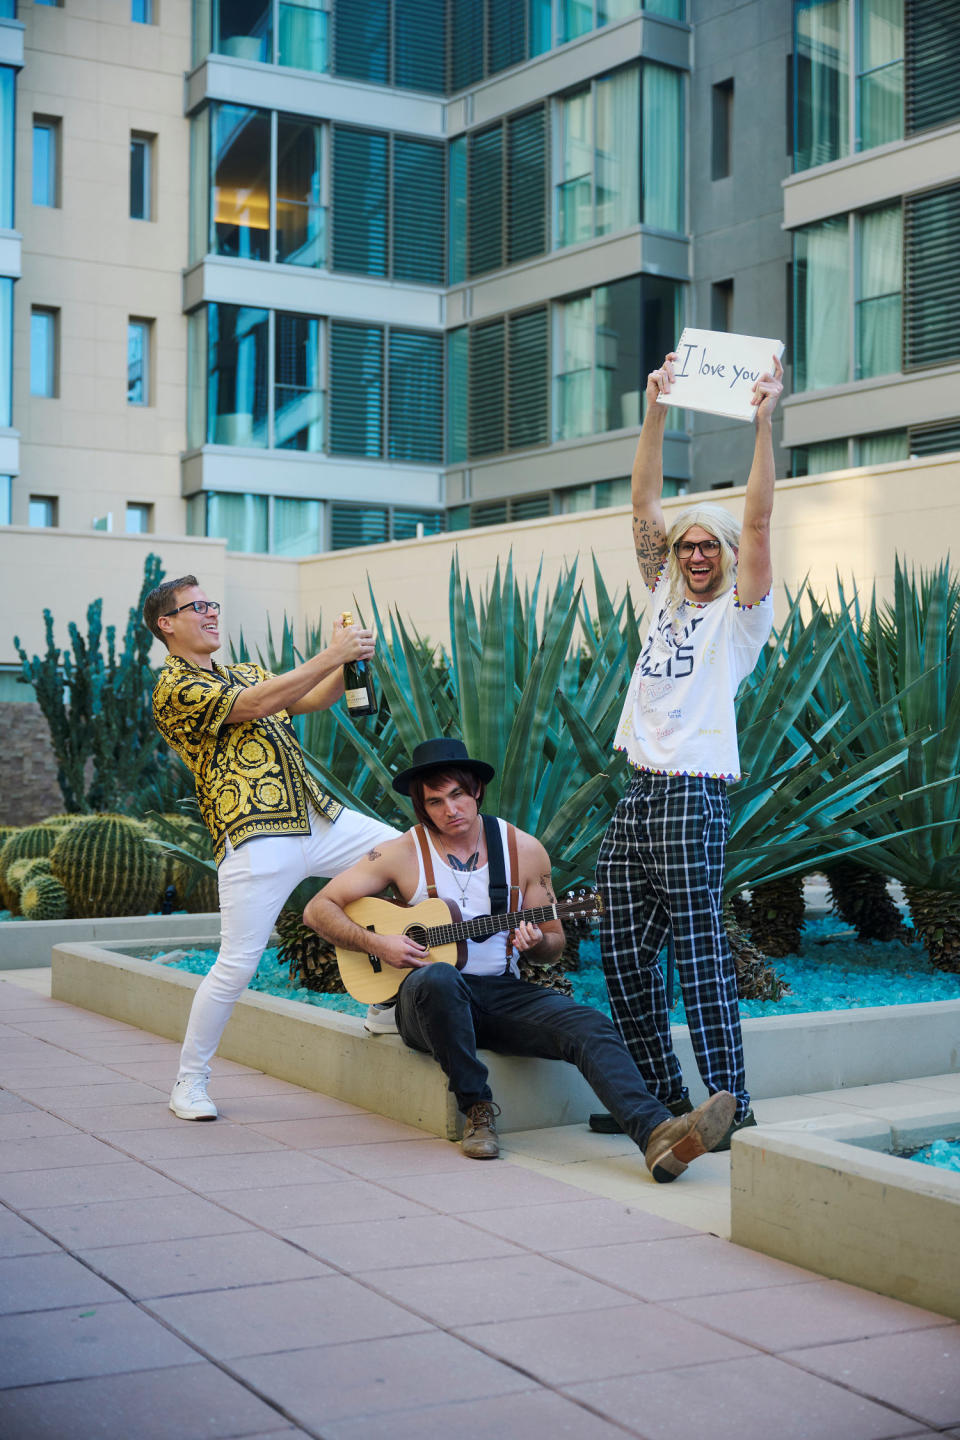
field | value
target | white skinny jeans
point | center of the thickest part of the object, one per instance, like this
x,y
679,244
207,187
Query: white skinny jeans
x,y
254,883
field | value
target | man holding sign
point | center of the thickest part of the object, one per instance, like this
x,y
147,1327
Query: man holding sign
x,y
660,867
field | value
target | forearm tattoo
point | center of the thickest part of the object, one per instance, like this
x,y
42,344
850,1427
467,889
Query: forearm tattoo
x,y
650,544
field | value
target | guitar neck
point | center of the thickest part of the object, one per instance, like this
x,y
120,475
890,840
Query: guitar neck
x,y
481,927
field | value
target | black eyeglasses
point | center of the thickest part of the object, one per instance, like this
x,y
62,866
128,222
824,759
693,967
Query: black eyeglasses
x,y
708,548
202,607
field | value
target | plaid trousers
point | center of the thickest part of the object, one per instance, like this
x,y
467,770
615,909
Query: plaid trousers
x,y
660,868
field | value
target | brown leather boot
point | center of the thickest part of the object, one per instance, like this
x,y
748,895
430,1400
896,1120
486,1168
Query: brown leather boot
x,y
480,1132
675,1143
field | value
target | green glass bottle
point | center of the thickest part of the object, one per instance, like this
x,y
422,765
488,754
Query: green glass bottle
x,y
358,688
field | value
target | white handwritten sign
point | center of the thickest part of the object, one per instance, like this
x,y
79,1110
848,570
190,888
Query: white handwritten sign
x,y
716,372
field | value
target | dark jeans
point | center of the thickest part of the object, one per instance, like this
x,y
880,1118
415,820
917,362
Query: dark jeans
x,y
448,1015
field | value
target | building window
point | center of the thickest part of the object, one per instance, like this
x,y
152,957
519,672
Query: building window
x,y
43,511
848,78
879,109
386,393
604,344
141,177
721,149
6,500
600,495
932,278
259,164
278,525
847,298
237,350
139,336
6,351
46,161
303,35
141,12
721,305
932,56
240,192
604,181
295,527
246,30
301,215
241,520
8,131
884,448
352,525
44,364
139,518
297,389
388,206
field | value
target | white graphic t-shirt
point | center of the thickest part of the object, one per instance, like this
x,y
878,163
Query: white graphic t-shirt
x,y
679,716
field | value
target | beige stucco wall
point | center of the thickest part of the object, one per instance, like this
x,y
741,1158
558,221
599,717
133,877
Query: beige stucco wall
x,y
103,77
855,521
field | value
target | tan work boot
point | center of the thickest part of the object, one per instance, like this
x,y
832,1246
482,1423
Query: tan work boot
x,y
675,1143
480,1132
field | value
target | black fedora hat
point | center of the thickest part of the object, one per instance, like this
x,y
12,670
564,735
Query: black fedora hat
x,y
442,754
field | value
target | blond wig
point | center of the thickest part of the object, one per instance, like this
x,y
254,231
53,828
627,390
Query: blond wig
x,y
720,524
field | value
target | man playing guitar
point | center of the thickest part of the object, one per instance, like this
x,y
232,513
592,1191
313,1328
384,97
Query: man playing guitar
x,y
448,1012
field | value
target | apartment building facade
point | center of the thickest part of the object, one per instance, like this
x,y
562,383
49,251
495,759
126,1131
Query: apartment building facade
x,y
311,274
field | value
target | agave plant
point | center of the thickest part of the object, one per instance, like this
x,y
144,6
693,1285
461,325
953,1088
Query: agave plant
x,y
905,655
530,682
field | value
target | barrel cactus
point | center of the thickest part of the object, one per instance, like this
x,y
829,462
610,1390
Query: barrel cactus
x,y
107,867
29,843
43,898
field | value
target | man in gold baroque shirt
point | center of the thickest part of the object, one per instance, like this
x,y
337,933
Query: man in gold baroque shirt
x,y
251,778
271,824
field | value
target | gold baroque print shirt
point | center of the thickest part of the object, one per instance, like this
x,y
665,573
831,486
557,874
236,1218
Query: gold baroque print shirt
x,y
250,775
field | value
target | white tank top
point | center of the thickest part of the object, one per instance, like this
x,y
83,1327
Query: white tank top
x,y
470,892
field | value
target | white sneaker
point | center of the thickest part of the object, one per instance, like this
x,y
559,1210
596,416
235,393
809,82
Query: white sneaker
x,y
189,1099
381,1019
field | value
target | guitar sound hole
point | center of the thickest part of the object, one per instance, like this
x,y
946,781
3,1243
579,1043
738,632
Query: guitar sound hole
x,y
418,934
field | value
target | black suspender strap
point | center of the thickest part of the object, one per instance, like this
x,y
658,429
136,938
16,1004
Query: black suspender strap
x,y
499,890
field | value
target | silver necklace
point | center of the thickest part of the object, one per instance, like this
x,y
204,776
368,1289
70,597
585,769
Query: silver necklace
x,y
468,870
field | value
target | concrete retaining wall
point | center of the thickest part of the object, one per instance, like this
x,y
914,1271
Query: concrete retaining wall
x,y
827,1201
332,1053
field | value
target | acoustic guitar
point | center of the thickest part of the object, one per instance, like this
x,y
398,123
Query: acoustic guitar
x,y
439,927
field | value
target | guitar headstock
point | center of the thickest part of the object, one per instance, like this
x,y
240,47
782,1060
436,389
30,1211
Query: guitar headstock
x,y
582,904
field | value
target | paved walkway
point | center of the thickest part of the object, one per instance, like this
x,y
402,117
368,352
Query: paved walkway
x,y
303,1267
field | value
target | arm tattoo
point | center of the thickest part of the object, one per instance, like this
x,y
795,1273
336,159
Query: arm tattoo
x,y
548,888
373,855
650,544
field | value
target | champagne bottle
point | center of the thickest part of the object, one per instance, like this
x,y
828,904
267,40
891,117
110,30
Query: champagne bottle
x,y
358,688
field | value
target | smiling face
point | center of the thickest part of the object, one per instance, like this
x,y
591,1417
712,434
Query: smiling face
x,y
193,636
702,574
451,810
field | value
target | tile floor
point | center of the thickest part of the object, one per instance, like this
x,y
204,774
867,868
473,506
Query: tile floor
x,y
305,1268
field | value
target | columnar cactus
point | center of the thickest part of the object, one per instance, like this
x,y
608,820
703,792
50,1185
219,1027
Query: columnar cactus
x,y
44,898
107,868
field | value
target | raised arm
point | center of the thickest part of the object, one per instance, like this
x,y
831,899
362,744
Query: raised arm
x,y
392,863
314,685
754,565
649,529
